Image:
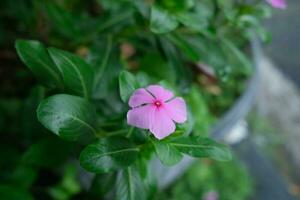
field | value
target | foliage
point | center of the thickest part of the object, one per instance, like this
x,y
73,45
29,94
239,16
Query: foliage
x,y
87,58
228,179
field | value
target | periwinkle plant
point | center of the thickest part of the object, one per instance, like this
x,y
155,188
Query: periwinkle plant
x,y
123,86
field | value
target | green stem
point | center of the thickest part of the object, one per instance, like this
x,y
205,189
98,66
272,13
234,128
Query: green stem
x,y
130,132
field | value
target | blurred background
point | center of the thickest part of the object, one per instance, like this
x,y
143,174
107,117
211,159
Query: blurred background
x,y
266,142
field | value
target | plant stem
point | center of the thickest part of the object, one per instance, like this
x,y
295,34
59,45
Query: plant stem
x,y
130,132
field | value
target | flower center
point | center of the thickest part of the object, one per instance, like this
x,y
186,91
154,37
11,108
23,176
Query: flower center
x,y
157,103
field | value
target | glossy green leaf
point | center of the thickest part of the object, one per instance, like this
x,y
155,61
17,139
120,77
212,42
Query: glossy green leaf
x,y
35,56
167,153
130,186
78,76
67,116
127,85
202,148
161,20
108,154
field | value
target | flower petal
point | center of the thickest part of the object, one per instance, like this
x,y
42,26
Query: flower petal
x,y
161,124
176,109
278,3
141,117
139,97
160,92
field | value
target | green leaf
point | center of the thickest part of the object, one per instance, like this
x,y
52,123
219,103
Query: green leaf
x,y
130,186
47,153
127,85
161,21
202,148
235,55
199,109
24,176
184,45
37,59
102,184
108,154
157,68
178,6
67,116
62,21
31,128
68,186
8,192
194,21
78,76
167,153
101,59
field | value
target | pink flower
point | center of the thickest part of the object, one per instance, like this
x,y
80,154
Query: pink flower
x,y
154,108
212,195
278,3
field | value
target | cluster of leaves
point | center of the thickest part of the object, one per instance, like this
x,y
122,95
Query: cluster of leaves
x,y
229,180
103,53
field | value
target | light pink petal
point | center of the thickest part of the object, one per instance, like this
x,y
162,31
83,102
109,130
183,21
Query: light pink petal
x,y
141,117
278,3
160,93
161,125
176,109
139,97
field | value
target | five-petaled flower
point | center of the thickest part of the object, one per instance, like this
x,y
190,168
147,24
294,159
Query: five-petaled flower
x,y
277,3
156,109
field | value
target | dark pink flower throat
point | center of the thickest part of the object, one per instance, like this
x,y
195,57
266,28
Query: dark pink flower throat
x,y
157,103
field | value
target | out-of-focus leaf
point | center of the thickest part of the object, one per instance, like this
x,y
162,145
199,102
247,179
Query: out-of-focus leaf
x,y
161,21
47,153
130,186
183,74
178,6
103,183
199,110
24,176
193,20
101,60
62,20
107,67
157,68
68,186
67,116
235,55
14,193
127,85
78,76
29,123
108,154
184,45
36,57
